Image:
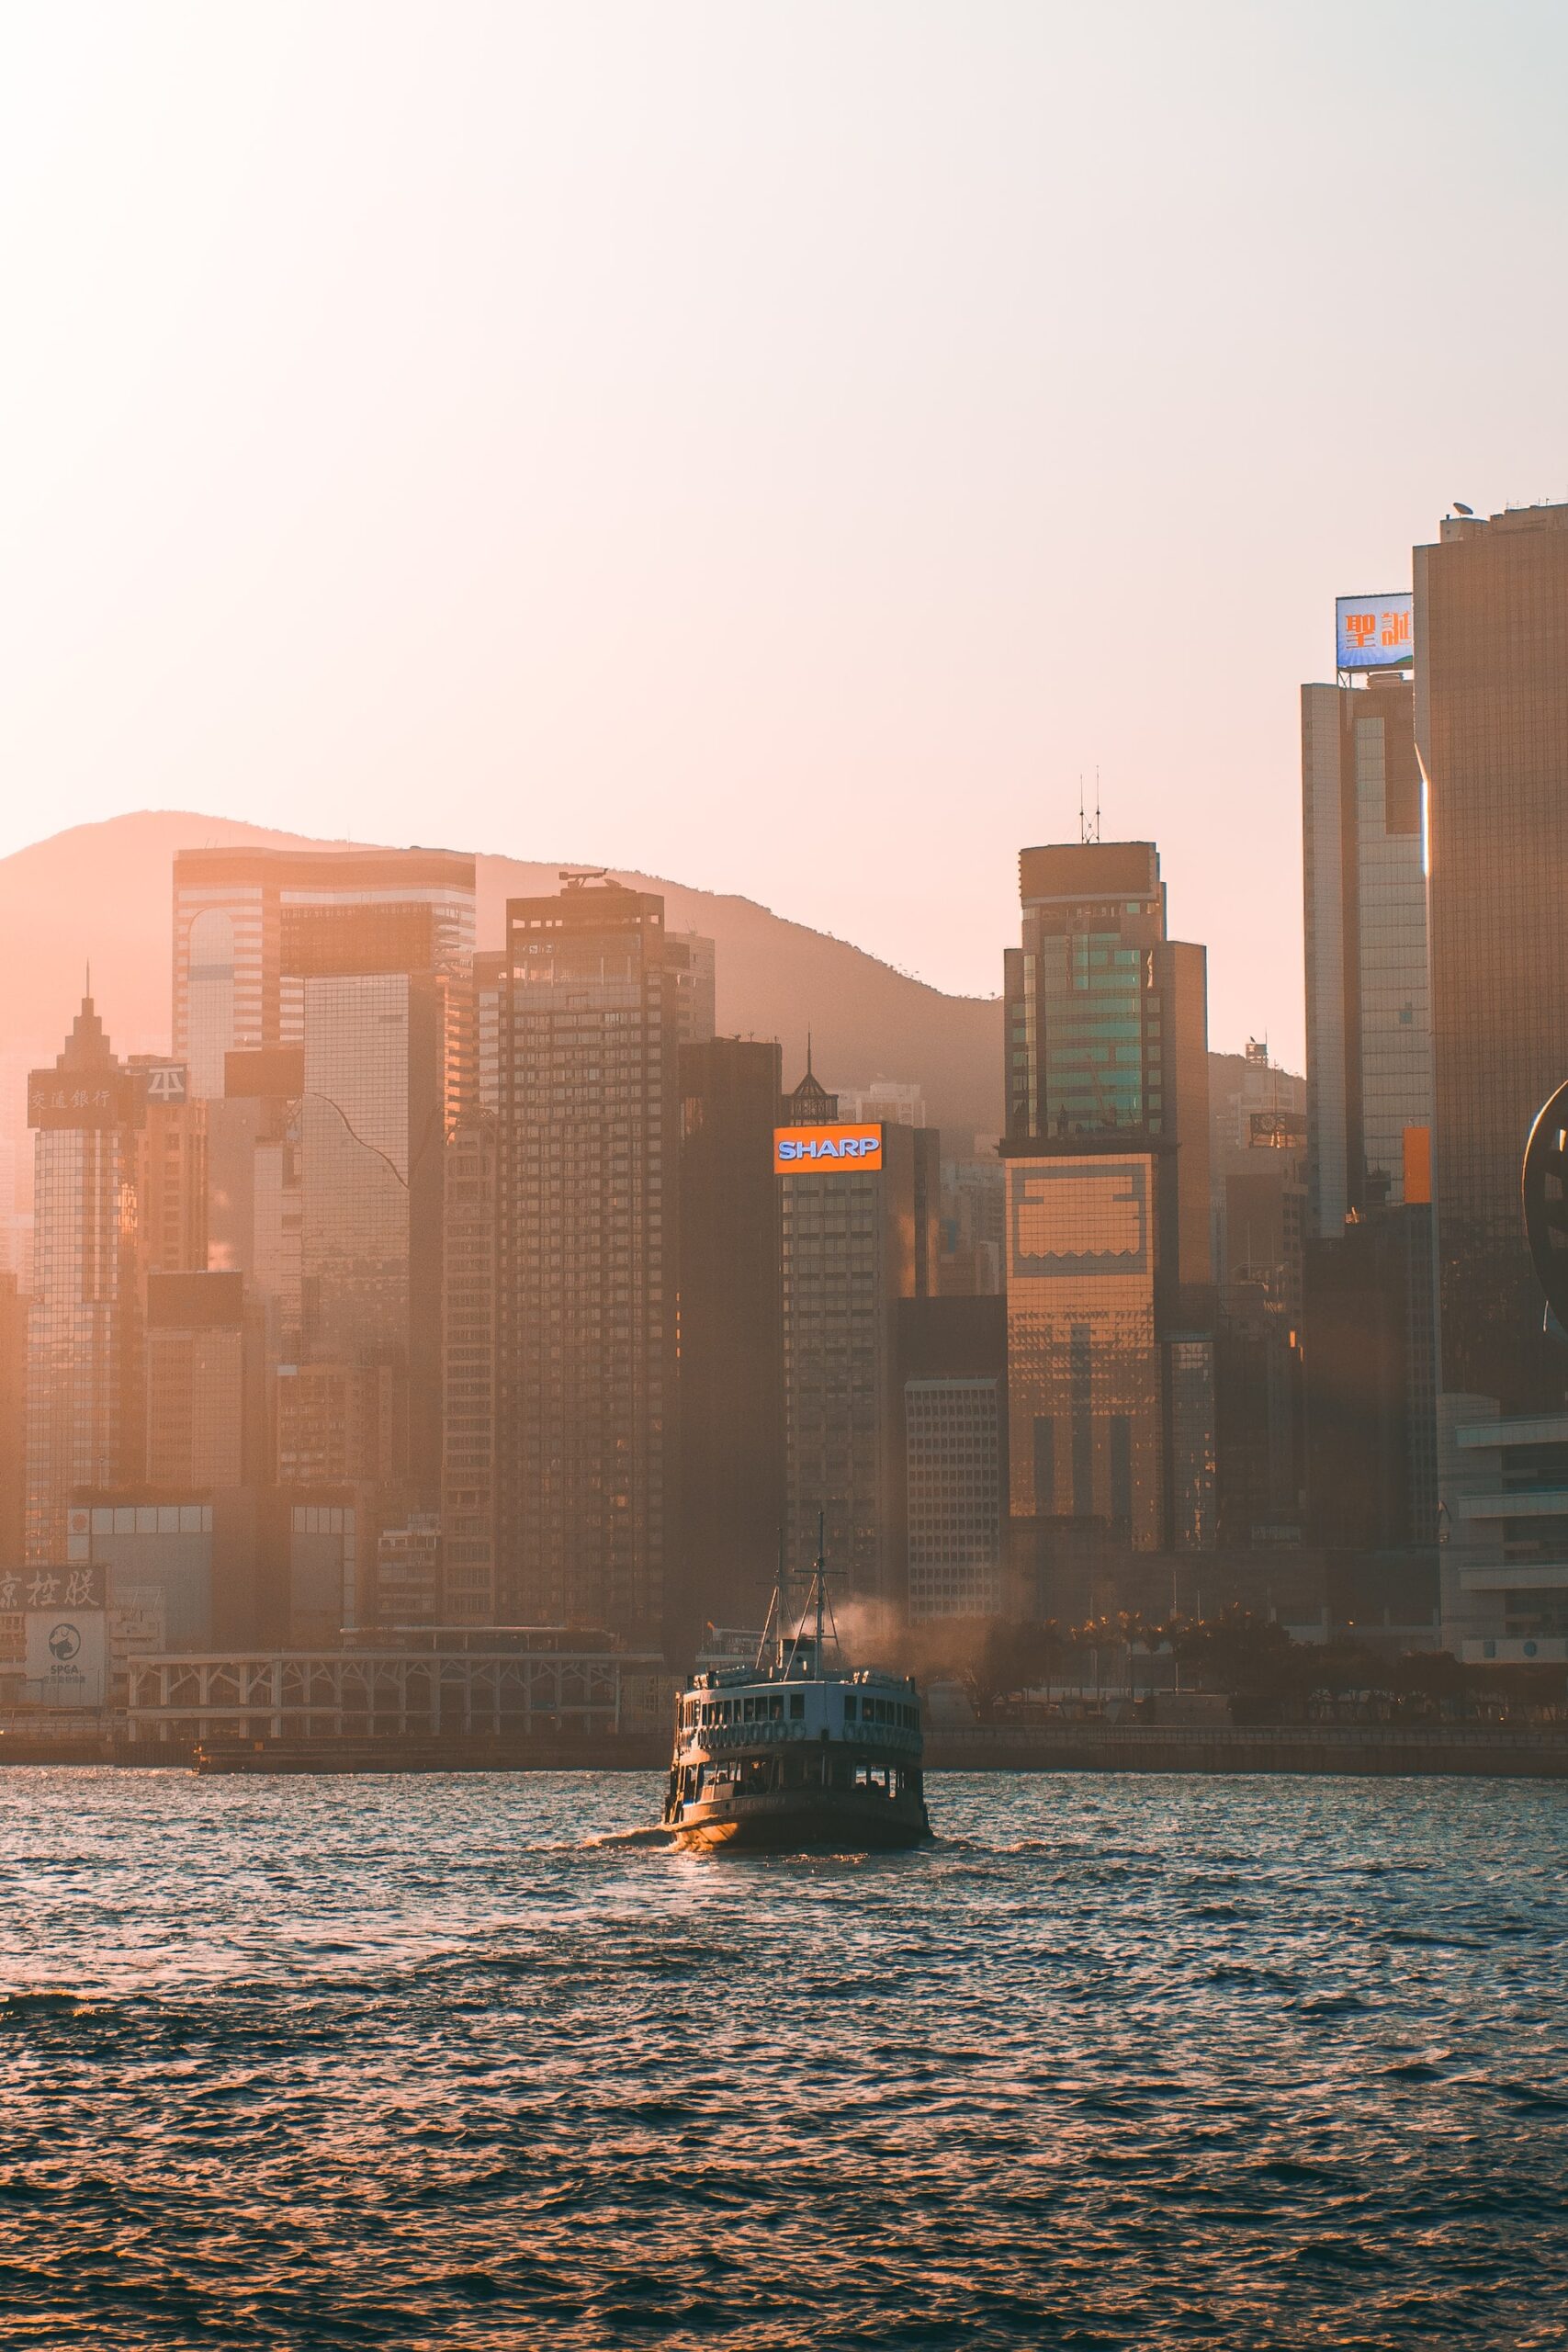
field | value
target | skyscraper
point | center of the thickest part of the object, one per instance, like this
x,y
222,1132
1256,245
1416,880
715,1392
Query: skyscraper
x,y
82,1427
1492,725
255,1214
372,1170
694,965
1110,1309
588,1260
1108,1026
859,1235
952,1369
1367,1309
196,1389
235,981
470,1319
1368,1028
732,1332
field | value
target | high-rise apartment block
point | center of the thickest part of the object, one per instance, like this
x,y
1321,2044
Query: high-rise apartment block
x,y
588,1262
1110,1308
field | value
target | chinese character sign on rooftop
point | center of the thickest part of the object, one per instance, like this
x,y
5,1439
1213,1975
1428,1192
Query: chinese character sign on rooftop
x,y
1374,632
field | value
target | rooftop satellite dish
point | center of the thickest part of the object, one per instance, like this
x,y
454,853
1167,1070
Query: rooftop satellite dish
x,y
1460,508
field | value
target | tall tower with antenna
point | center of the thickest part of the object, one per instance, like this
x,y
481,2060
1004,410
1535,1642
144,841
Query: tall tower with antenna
x,y
1109,1313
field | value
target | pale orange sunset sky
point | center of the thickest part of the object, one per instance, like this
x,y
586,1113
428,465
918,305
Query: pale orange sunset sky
x,y
778,447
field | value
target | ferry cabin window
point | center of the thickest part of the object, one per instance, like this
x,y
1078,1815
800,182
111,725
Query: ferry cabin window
x,y
848,1706
797,1706
776,1710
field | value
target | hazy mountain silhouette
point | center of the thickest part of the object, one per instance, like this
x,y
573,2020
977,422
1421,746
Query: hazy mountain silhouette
x,y
101,893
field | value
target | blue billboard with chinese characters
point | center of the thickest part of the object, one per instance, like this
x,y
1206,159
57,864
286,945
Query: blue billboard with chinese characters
x,y
1374,632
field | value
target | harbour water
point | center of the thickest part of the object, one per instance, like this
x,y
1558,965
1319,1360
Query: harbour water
x,y
478,2061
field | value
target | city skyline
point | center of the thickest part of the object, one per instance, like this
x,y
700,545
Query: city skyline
x,y
783,1173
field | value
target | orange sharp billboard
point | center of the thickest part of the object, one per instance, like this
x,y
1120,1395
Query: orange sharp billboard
x,y
850,1145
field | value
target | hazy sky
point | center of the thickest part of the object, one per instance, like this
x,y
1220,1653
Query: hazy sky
x,y
775,447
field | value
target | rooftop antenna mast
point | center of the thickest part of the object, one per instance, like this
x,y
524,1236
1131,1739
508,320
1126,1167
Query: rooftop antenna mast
x,y
1086,831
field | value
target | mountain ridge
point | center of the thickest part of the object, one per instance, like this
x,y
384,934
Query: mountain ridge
x,y
100,894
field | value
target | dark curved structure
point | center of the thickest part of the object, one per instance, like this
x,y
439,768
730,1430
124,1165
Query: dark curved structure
x,y
1545,1189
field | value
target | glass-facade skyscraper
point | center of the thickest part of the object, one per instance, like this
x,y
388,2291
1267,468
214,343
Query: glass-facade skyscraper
x,y
1492,725
384,1029
1110,1375
235,985
1368,1024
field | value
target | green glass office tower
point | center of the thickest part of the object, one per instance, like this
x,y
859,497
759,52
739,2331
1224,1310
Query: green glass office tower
x,y
1109,1307
1107,1027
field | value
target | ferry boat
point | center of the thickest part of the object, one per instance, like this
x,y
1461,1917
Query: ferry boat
x,y
798,1750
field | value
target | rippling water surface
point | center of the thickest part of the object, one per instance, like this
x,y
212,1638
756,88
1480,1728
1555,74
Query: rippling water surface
x,y
470,2062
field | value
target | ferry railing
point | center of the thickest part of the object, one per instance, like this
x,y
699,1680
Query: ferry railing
x,y
713,1737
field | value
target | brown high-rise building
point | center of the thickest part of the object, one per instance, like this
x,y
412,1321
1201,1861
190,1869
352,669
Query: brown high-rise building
x,y
731,1333
588,1168
1492,725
